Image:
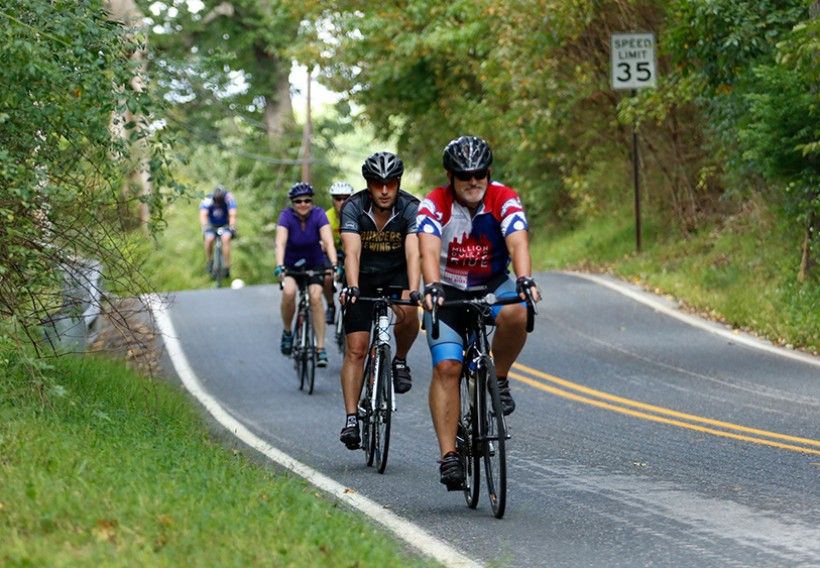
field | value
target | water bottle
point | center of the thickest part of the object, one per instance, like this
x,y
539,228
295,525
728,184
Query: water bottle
x,y
384,325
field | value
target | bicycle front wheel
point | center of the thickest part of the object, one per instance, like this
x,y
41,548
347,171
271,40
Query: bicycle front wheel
x,y
340,332
218,271
299,351
310,354
467,442
493,435
384,409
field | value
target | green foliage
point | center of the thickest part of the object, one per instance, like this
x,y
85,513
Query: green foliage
x,y
102,467
67,73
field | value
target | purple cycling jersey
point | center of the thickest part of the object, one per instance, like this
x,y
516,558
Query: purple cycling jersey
x,y
303,241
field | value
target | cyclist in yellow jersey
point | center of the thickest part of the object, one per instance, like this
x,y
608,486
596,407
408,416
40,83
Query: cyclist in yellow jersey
x,y
339,191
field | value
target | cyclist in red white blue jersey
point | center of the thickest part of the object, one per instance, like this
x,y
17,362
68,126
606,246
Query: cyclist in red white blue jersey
x,y
470,231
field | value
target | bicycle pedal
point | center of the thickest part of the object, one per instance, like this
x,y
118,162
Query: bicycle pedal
x,y
455,486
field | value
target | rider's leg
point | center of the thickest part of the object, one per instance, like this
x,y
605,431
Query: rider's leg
x,y
328,286
444,403
406,328
209,245
352,367
288,307
226,249
510,336
315,291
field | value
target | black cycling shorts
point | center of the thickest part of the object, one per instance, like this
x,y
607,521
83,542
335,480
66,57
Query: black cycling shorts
x,y
315,279
359,316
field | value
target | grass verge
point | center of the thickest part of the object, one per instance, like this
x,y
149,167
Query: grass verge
x,y
99,466
741,272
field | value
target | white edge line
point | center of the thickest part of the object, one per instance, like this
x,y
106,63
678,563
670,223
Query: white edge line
x,y
410,533
748,341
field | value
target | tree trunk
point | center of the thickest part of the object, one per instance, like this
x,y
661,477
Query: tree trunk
x,y
138,179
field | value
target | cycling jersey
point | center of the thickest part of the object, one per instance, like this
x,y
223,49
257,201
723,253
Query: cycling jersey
x,y
304,242
382,250
333,219
473,249
218,214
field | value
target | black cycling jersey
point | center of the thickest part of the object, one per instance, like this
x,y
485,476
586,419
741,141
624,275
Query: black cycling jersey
x,y
382,250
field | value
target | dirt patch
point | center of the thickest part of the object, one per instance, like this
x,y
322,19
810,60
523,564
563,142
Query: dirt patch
x,y
126,330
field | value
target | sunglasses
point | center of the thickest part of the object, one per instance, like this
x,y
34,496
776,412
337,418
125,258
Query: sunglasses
x,y
467,176
339,197
300,201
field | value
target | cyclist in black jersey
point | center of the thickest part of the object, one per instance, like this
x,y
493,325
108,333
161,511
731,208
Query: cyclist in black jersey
x,y
378,227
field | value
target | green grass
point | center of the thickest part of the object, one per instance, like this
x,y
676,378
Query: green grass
x,y
742,272
101,467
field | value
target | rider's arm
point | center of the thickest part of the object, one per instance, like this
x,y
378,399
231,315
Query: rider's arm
x,y
411,253
203,219
518,244
232,217
430,248
326,235
352,243
281,241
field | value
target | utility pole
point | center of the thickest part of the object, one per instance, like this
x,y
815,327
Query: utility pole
x,y
307,134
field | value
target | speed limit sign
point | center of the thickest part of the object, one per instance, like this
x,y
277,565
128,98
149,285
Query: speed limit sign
x,y
633,60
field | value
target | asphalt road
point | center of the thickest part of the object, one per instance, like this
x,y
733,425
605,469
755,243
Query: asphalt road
x,y
638,439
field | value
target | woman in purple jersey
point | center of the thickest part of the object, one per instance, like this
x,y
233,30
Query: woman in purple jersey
x,y
302,232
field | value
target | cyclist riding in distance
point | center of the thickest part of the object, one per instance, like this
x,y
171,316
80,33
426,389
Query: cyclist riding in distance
x,y
381,250
339,191
469,232
301,232
218,210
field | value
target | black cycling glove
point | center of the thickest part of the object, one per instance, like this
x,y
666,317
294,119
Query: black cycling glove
x,y
523,284
350,292
415,297
435,290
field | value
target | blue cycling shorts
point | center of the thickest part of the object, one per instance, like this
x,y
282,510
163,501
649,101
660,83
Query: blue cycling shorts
x,y
453,325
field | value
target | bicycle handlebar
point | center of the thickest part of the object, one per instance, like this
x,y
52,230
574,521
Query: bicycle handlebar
x,y
489,300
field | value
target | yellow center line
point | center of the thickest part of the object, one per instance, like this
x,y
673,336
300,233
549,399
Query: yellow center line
x,y
662,420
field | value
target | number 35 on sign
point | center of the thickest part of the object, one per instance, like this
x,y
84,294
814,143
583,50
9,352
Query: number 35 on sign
x,y
633,60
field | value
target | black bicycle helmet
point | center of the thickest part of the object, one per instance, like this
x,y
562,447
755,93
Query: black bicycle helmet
x,y
299,189
382,166
219,194
467,154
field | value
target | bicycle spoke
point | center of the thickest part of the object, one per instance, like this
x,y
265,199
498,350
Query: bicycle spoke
x,y
466,444
494,437
384,408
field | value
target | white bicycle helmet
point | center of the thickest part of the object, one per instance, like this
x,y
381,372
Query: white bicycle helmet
x,y
341,188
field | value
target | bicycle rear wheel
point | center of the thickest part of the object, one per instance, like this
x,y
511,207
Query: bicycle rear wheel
x,y
368,420
382,414
494,436
299,350
466,443
310,354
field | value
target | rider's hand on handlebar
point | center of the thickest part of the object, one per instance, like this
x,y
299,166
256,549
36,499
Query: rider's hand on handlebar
x,y
433,293
349,293
279,271
232,229
415,297
338,272
525,284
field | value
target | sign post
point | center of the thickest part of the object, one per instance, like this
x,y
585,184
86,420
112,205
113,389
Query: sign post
x,y
633,67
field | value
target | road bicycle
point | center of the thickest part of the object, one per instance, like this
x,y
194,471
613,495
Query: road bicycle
x,y
304,340
218,269
482,428
339,323
378,402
